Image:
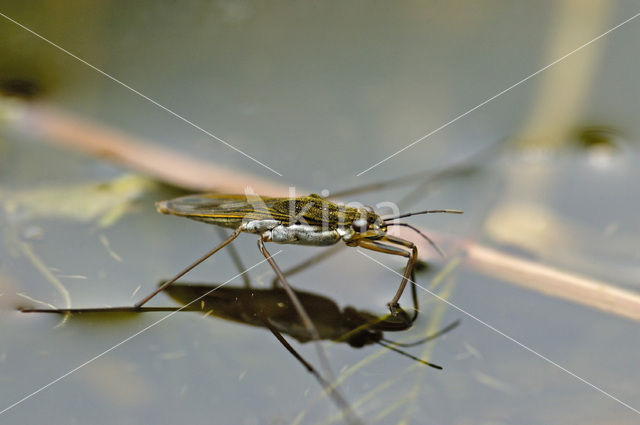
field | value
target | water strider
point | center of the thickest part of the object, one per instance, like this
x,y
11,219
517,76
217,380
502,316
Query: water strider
x,y
307,220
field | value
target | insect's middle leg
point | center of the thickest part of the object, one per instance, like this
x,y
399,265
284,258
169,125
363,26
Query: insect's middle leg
x,y
306,320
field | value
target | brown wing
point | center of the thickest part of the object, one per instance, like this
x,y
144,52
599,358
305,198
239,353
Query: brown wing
x,y
224,210
231,210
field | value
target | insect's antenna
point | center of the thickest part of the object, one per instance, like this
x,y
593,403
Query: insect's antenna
x,y
426,339
428,239
404,353
423,212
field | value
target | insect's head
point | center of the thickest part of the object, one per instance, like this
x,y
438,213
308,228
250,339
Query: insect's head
x,y
367,225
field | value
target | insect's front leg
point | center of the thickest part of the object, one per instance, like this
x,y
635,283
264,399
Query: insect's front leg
x,y
388,245
408,271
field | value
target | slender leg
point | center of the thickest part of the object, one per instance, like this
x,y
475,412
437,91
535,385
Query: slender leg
x,y
414,296
188,269
306,320
125,309
235,257
342,404
137,307
387,246
408,271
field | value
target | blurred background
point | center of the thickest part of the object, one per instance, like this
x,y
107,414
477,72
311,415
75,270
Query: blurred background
x,y
319,93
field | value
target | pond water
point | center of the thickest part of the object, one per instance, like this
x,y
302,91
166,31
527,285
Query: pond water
x,y
320,92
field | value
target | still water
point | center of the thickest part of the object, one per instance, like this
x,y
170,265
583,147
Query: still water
x,y
320,93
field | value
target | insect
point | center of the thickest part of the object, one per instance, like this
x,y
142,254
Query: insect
x,y
306,220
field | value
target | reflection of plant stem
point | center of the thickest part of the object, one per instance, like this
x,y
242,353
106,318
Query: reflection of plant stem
x,y
73,133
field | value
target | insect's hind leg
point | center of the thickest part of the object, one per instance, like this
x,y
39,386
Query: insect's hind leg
x,y
137,307
235,257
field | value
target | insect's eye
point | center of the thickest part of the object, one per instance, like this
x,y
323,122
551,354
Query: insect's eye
x,y
360,225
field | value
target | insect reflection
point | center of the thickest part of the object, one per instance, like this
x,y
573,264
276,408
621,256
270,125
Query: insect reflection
x,y
272,308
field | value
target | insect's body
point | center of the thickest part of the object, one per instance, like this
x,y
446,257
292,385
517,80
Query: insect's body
x,y
306,220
